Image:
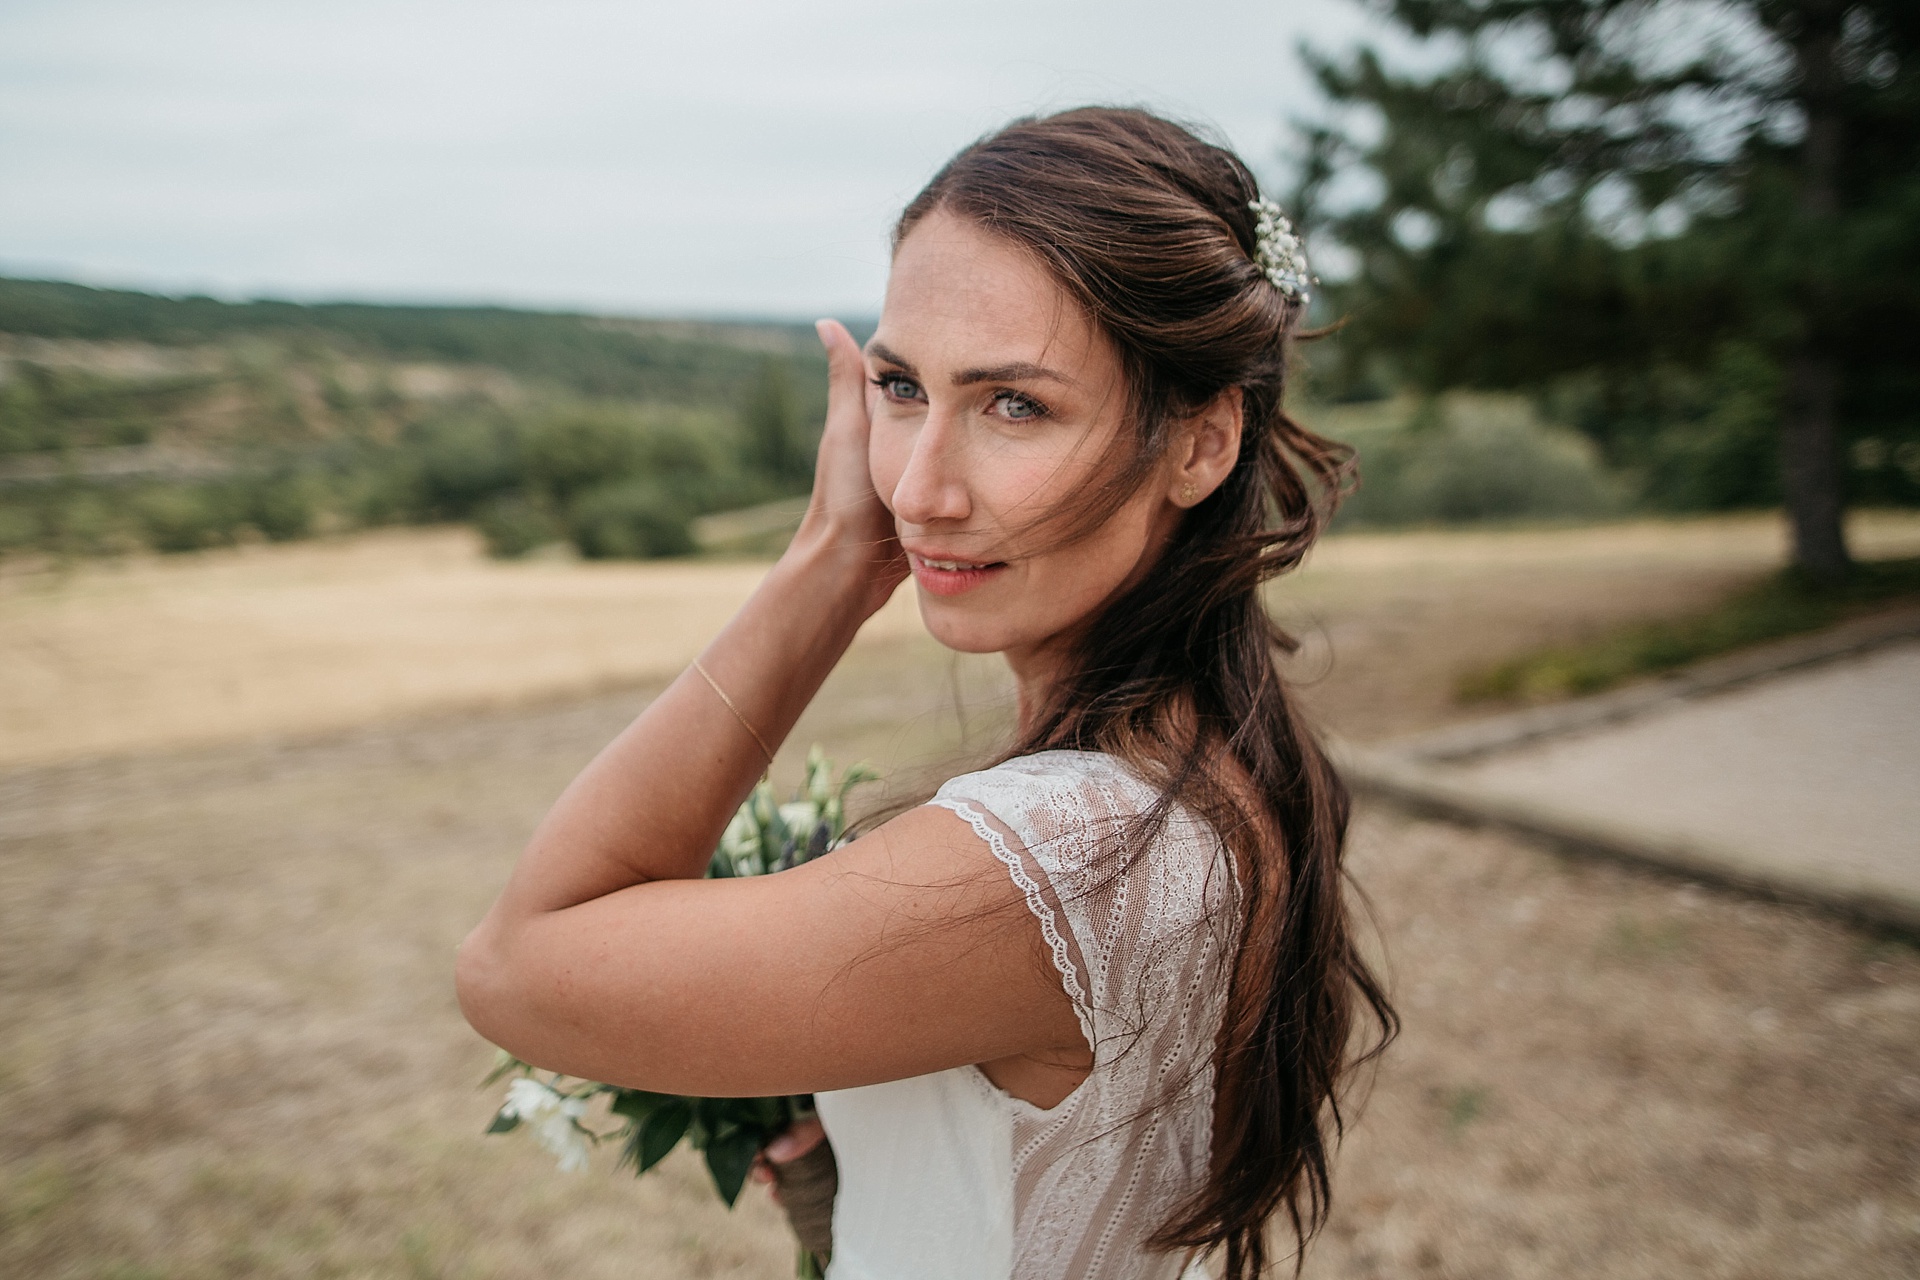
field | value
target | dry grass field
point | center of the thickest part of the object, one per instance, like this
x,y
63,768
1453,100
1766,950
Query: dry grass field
x,y
251,800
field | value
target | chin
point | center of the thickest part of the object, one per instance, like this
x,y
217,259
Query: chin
x,y
964,631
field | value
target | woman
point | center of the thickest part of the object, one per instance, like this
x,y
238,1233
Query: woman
x,y
1087,1012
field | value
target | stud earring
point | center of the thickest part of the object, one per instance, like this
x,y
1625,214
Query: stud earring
x,y
1186,493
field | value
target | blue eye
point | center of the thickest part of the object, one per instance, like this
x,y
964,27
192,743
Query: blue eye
x,y
1019,408
896,386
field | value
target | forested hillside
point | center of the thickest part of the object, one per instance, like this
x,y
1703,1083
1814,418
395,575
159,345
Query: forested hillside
x,y
129,419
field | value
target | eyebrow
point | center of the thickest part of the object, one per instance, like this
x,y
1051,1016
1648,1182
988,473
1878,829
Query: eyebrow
x,y
1017,371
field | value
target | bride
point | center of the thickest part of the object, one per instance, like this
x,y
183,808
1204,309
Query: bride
x,y
1087,1012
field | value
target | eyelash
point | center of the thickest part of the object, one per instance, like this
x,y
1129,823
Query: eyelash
x,y
1035,410
885,382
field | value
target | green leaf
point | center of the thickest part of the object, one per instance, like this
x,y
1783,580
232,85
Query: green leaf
x,y
718,1121
660,1133
819,775
778,835
504,1123
763,804
729,1161
503,1063
638,1104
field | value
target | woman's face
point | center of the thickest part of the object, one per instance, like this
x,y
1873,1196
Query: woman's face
x,y
996,403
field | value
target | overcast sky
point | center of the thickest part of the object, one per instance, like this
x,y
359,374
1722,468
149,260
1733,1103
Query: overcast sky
x,y
711,157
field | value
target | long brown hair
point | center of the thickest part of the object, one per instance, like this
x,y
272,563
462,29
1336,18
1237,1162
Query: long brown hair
x,y
1148,228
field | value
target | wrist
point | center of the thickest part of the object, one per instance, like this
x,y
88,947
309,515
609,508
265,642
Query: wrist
x,y
818,597
853,571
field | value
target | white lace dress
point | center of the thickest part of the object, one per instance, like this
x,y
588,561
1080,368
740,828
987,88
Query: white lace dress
x,y
944,1177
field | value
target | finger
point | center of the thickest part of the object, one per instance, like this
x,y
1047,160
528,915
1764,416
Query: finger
x,y
846,369
802,1137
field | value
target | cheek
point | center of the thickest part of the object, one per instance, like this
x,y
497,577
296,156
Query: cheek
x,y
1019,485
1116,550
1065,584
889,445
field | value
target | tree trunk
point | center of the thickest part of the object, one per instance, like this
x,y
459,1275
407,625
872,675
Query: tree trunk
x,y
1811,480
1810,469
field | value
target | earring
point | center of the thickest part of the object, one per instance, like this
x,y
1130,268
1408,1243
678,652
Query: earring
x,y
1186,493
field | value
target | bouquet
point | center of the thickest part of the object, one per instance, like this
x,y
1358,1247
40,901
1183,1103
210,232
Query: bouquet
x,y
763,836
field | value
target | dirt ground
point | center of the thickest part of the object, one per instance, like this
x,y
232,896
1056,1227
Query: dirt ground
x,y
157,653
228,1045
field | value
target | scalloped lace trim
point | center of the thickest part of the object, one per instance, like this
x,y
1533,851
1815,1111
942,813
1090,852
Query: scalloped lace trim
x,y
1036,903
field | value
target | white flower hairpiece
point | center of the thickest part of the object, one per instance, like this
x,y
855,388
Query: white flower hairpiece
x,y
1278,252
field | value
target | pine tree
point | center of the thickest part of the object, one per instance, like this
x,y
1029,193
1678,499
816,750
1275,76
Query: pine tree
x,y
1615,194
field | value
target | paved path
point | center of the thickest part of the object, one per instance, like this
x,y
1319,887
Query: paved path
x,y
1812,776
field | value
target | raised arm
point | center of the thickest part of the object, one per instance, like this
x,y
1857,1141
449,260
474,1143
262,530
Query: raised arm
x,y
653,803
608,957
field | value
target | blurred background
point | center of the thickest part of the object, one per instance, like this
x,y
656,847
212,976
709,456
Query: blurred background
x,y
392,397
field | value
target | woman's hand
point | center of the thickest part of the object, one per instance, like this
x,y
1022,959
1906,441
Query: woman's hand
x,y
800,1137
845,519
801,1173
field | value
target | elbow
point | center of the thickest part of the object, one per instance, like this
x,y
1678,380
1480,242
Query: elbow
x,y
482,984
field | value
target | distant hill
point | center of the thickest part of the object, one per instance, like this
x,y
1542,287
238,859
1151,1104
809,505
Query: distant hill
x,y
677,362
131,419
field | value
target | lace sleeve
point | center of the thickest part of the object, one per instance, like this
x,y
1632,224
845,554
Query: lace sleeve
x,y
1120,920
1031,878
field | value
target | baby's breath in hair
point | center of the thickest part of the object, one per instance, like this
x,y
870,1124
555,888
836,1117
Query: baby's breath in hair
x,y
1277,249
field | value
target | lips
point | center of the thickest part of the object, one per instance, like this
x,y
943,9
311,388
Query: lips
x,y
942,576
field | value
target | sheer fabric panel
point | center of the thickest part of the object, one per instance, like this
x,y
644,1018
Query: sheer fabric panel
x,y
1142,933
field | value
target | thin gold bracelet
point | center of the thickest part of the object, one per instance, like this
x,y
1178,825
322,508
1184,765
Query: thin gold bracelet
x,y
745,723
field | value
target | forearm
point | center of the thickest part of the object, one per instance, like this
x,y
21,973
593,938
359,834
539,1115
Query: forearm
x,y
652,805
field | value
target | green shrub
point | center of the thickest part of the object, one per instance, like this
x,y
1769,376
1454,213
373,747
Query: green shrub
x,y
1470,461
1686,439
597,446
458,463
630,521
577,450
19,528
774,438
82,522
373,493
1728,456
186,519
513,525
282,507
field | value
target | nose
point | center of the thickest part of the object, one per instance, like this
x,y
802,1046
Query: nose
x,y
932,487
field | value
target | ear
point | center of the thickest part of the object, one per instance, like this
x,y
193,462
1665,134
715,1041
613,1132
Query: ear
x,y
1211,447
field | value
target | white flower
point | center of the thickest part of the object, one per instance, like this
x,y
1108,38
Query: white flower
x,y
1278,251
554,1118
800,817
741,840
